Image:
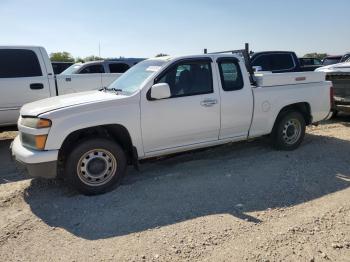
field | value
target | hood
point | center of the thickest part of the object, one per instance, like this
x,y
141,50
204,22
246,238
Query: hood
x,y
341,67
57,102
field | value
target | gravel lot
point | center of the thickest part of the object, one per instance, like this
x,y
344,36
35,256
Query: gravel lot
x,y
236,202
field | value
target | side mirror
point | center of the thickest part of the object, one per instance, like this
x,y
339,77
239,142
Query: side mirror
x,y
160,91
257,68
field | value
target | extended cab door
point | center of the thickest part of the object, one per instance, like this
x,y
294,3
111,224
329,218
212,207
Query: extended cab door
x,y
190,116
236,98
23,79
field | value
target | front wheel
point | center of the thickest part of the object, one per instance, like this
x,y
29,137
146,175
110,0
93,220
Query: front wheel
x,y
289,131
95,166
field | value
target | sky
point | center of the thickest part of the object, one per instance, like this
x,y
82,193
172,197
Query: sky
x,y
139,28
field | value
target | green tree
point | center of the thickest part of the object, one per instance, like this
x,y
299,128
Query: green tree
x,y
79,60
316,55
92,58
61,57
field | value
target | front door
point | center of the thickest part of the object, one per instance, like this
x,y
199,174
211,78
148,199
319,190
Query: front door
x,y
22,80
190,116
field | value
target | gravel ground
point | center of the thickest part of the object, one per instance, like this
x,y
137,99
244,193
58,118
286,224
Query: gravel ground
x,y
239,202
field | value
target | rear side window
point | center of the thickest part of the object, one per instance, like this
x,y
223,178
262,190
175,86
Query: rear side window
x,y
92,69
310,61
307,61
282,62
264,61
317,62
118,67
274,62
189,78
19,63
230,74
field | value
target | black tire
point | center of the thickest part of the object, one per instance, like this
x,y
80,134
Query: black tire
x,y
289,131
334,113
95,166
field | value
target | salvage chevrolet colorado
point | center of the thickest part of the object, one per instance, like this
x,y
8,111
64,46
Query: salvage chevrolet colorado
x,y
163,106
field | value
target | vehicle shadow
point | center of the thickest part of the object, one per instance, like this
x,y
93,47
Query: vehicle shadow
x,y
9,172
232,179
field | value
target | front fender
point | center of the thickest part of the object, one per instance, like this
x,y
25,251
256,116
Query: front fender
x,y
68,120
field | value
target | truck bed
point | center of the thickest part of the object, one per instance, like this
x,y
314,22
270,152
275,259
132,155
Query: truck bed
x,y
268,102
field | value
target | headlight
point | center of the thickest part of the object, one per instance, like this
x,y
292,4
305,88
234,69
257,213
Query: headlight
x,y
34,141
35,122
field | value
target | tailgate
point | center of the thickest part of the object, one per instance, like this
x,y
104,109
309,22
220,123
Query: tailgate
x,y
341,85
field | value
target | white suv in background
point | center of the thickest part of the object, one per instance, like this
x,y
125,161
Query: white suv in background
x,y
119,65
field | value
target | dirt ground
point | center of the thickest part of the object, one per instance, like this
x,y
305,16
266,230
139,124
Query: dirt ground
x,y
238,202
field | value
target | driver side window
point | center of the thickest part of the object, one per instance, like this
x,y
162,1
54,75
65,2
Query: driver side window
x,y
189,78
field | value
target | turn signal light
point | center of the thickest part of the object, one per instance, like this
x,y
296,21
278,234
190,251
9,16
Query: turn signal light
x,y
40,141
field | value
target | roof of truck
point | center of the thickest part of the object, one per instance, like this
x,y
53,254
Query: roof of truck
x,y
115,60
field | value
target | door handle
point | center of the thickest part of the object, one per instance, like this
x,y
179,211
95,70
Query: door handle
x,y
36,86
209,102
68,79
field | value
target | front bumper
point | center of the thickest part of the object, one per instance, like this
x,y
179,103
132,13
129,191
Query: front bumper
x,y
37,163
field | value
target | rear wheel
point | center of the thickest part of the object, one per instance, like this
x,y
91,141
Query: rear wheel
x,y
289,131
96,166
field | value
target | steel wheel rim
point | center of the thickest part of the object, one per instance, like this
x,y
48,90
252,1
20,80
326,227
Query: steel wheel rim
x,y
96,167
291,131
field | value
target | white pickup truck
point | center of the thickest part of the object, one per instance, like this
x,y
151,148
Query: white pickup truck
x,y
163,106
26,75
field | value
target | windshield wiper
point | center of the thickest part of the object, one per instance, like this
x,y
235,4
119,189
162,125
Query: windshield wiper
x,y
116,90
105,89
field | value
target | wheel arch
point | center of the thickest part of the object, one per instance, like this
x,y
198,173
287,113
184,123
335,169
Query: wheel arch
x,y
115,132
302,107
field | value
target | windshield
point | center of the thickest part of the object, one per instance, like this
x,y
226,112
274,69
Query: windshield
x,y
72,69
132,79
